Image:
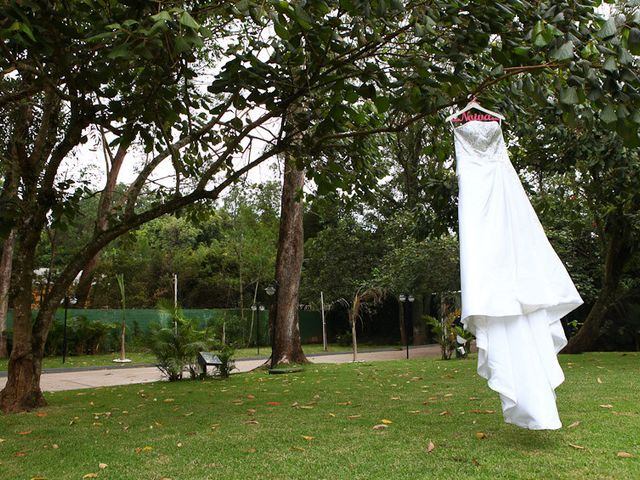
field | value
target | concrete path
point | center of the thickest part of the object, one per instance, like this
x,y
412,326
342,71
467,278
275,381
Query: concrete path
x,y
108,377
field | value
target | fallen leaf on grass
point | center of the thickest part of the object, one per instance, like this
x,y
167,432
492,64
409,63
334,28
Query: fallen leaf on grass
x,y
20,454
395,398
251,397
308,438
41,414
251,411
143,449
430,447
574,424
55,446
332,414
624,455
344,403
351,417
306,407
90,475
188,414
606,406
444,413
250,422
2,440
297,449
599,380
38,478
481,435
169,400
474,398
102,466
386,422
25,433
273,403
577,447
380,427
448,394
251,450
482,411
179,444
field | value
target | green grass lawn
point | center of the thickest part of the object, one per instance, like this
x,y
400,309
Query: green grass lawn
x,y
138,358
318,424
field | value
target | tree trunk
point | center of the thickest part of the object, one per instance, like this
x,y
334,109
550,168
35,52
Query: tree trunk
x,y
22,391
287,347
5,282
618,253
83,290
114,164
419,325
590,330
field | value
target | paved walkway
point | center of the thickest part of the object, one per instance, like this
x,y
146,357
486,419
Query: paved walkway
x,y
107,377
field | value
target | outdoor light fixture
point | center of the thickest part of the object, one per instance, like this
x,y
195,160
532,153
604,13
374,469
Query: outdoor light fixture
x,y
66,301
270,290
407,312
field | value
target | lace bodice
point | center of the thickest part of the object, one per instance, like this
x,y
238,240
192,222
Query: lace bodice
x,y
478,141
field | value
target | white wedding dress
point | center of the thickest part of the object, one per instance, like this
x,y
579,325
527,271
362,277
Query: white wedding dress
x,y
515,289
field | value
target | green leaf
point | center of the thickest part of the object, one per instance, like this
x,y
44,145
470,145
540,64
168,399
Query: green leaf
x,y
608,114
634,41
351,96
565,52
610,64
188,21
22,27
100,36
625,58
540,41
303,18
569,96
538,28
236,123
608,28
382,104
121,51
522,51
281,31
161,16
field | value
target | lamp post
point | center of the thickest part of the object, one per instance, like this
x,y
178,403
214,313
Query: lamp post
x,y
66,301
271,290
260,309
406,313
256,309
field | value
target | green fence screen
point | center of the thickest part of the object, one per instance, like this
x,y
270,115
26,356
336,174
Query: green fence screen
x,y
236,324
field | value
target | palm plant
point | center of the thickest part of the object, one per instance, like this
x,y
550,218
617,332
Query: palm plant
x,y
176,346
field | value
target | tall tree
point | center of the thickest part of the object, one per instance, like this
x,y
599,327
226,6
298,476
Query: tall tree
x,y
287,347
127,69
